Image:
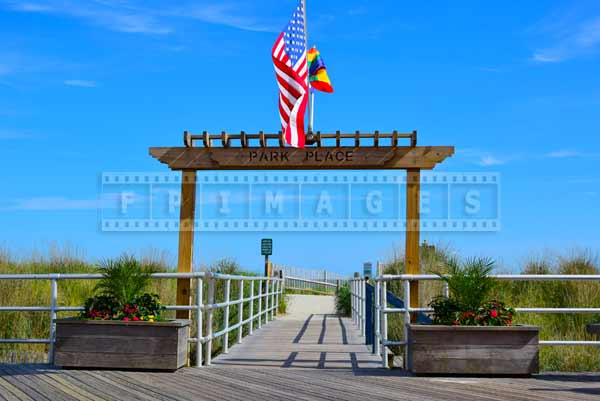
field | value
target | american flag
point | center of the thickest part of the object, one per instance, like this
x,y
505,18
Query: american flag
x,y
291,69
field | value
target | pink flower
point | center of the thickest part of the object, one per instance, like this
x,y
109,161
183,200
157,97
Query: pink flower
x,y
126,319
494,313
135,318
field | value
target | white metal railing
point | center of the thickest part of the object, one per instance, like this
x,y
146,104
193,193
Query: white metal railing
x,y
273,289
381,341
358,303
306,279
298,283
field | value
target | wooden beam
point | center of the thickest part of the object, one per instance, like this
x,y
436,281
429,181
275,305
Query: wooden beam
x,y
310,158
411,259
186,241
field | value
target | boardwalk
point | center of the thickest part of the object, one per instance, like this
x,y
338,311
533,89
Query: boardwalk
x,y
305,338
303,356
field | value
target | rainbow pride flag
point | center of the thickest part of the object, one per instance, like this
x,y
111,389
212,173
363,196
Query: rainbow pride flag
x,y
318,77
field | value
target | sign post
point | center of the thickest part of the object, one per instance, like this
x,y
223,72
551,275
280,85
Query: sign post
x,y
266,249
367,270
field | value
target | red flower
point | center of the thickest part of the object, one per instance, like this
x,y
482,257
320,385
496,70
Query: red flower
x,y
126,319
455,323
494,313
135,318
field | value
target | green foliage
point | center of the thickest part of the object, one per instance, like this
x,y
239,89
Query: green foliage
x,y
445,310
470,286
149,305
469,283
493,313
283,304
124,278
101,307
121,292
343,302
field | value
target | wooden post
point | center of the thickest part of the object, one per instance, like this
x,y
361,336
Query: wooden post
x,y
186,241
267,266
411,259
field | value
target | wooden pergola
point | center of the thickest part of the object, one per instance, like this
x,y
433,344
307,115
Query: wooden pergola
x,y
268,152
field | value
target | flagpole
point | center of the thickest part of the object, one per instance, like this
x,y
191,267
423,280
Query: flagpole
x,y
310,101
311,110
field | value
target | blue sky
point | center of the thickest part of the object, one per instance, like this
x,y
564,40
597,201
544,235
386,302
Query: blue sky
x,y
87,87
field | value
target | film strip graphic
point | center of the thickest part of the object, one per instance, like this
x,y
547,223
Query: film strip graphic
x,y
300,201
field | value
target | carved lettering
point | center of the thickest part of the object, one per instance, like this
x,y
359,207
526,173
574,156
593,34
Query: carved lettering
x,y
272,156
316,155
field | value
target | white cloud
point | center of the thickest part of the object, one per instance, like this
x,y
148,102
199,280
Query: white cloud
x,y
479,157
53,203
546,58
568,153
31,7
113,15
81,83
221,14
560,154
571,39
489,160
109,200
136,16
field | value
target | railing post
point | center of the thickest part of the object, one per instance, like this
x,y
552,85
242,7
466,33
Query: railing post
x,y
266,298
277,295
251,307
209,318
260,286
351,283
199,322
270,299
363,306
384,328
358,306
355,302
226,317
406,320
241,312
273,292
53,302
377,307
352,298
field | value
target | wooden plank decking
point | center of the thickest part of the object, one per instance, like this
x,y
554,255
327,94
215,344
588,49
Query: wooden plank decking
x,y
318,357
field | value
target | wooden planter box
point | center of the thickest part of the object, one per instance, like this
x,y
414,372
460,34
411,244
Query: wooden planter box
x,y
121,345
473,350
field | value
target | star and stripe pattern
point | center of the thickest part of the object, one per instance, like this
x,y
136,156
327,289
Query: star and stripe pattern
x,y
291,69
